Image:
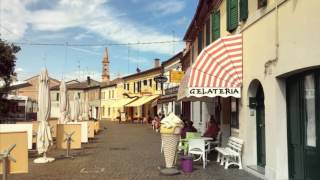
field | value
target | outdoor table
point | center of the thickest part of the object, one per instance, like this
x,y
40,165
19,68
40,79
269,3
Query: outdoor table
x,y
5,128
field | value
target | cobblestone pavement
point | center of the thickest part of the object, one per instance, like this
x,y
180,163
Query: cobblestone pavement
x,y
120,151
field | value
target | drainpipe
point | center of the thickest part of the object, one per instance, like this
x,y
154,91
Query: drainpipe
x,y
277,31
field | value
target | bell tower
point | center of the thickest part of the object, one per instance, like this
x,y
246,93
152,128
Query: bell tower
x,y
105,66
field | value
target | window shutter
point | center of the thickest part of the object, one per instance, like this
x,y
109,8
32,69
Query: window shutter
x,y
215,25
199,42
208,32
232,13
243,10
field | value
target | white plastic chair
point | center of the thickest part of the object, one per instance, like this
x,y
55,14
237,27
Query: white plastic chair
x,y
197,147
212,144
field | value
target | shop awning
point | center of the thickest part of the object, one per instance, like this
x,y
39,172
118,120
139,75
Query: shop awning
x,y
142,100
217,71
122,102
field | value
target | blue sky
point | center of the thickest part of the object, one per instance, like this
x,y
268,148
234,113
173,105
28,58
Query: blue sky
x,y
93,22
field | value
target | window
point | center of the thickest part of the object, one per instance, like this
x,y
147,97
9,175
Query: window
x,y
102,95
128,87
109,110
79,95
112,94
145,82
215,25
208,32
199,41
262,3
150,82
139,86
157,86
134,87
232,15
124,86
102,110
234,123
192,53
109,94
243,10
57,97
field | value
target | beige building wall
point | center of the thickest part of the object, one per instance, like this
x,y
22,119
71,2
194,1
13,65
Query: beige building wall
x,y
298,49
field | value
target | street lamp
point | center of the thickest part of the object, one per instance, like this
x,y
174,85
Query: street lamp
x,y
161,79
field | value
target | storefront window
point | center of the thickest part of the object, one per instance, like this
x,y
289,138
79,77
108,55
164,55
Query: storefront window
x,y
309,91
234,123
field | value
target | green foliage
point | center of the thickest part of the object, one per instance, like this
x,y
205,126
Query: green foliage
x,y
7,65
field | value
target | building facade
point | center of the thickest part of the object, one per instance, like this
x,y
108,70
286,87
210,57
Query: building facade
x,y
172,69
276,115
111,95
142,85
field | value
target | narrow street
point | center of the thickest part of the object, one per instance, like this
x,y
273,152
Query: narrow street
x,y
120,151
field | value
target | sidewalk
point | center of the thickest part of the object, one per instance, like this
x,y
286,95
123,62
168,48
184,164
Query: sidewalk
x,y
121,151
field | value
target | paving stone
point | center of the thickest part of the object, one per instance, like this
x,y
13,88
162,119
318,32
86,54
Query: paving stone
x,y
121,152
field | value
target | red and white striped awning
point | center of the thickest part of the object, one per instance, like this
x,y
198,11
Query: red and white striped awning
x,y
217,71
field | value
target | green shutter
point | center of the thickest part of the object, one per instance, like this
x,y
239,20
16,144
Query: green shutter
x,y
208,32
232,15
199,42
215,25
243,10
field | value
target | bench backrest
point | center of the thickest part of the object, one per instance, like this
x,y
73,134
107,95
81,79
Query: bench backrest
x,y
235,144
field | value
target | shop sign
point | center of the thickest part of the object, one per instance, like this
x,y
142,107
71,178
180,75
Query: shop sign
x,y
176,76
213,92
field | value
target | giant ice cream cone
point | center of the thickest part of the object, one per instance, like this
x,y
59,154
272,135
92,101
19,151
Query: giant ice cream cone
x,y
170,142
170,133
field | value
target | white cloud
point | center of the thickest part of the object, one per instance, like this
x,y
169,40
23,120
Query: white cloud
x,y
82,36
96,17
84,51
164,7
19,69
181,21
82,75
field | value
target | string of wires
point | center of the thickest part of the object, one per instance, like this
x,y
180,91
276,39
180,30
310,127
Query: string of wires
x,y
97,44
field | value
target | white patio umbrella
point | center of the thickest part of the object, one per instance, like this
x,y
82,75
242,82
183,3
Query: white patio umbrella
x,y
63,103
76,108
86,109
44,138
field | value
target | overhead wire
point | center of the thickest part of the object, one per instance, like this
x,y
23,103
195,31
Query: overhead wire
x,y
98,44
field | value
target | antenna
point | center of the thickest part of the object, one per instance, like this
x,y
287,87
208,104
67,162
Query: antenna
x,y
79,76
173,35
128,58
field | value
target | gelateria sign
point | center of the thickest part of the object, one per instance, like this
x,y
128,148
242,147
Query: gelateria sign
x,y
213,92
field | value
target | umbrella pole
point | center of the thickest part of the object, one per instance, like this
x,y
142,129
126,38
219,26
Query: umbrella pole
x,y
4,169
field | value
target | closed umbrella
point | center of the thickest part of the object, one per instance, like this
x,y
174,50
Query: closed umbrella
x,y
63,103
44,138
86,109
76,107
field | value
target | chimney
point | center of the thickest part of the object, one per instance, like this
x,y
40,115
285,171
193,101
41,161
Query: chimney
x,y
88,80
156,62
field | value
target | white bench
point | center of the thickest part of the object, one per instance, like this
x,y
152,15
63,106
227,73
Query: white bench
x,y
230,155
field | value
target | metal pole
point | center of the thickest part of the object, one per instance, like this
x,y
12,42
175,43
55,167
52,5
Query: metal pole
x,y
162,111
4,168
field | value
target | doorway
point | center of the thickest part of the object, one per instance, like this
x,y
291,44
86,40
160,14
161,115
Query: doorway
x,y
260,122
303,102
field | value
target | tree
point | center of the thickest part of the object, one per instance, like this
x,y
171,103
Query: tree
x,y
7,64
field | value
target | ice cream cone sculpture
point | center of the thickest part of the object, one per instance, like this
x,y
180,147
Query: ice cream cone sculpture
x,y
170,130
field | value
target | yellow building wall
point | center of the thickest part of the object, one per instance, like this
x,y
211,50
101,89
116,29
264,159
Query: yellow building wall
x,y
107,111
137,112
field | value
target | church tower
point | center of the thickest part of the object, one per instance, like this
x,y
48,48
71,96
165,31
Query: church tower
x,y
105,66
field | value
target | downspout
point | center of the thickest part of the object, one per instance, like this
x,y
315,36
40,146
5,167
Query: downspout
x,y
274,61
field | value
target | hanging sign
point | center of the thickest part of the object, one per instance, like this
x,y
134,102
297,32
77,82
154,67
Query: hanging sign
x,y
176,76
